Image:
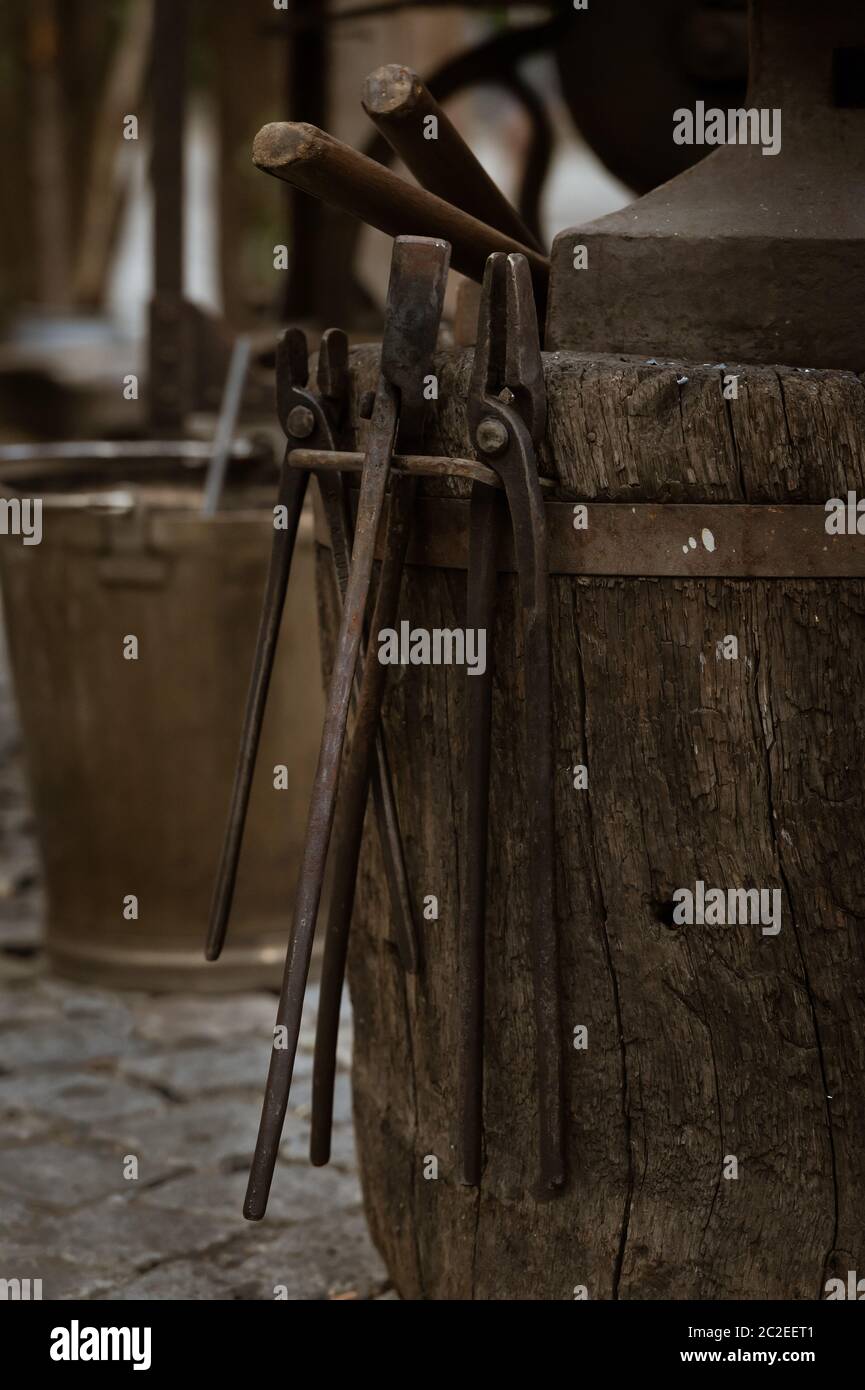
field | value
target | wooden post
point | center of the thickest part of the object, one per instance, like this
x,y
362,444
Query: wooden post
x,y
715,1114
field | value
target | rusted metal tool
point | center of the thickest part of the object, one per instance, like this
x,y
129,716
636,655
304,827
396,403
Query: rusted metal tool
x,y
507,413
319,419
292,491
403,110
414,305
327,413
353,791
333,378
419,465
480,604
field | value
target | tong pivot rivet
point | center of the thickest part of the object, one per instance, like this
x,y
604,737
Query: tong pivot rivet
x,y
491,436
301,422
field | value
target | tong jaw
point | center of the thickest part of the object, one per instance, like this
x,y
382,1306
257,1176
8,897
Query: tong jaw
x,y
508,410
507,376
318,419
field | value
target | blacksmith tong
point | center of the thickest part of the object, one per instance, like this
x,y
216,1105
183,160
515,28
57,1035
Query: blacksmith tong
x,y
317,419
414,305
507,414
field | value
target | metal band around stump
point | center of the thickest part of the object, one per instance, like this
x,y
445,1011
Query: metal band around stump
x,y
652,540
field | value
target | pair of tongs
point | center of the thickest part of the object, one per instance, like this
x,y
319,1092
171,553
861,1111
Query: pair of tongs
x,y
316,419
507,414
414,305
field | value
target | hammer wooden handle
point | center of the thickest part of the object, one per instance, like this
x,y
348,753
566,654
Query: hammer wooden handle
x,y
309,158
406,113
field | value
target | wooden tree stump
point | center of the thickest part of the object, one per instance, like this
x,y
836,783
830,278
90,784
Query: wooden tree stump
x,y
704,1043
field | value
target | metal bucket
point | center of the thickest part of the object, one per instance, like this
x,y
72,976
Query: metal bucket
x,y
131,755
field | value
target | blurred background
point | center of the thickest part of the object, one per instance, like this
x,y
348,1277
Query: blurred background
x,y
139,250
76,242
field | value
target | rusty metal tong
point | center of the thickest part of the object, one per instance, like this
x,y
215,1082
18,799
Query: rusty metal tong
x,y
414,305
507,414
318,419
310,417
290,498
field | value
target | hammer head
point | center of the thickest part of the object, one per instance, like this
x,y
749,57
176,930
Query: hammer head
x,y
415,299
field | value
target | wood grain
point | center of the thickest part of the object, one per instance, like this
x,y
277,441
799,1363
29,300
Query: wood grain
x,y
704,1042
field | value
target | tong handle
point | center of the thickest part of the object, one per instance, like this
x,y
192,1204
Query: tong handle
x,y
354,789
480,613
414,306
292,490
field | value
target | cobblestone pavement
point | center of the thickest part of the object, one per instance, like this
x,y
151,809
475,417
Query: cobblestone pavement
x,y
94,1084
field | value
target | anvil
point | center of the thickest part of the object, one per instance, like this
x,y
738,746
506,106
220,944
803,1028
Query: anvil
x,y
746,257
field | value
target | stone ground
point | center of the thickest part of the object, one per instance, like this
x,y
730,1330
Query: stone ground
x,y
91,1080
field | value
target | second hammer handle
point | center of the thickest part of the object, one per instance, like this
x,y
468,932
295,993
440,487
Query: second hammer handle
x,y
405,112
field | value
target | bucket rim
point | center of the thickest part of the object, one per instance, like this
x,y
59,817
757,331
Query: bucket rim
x,y
24,468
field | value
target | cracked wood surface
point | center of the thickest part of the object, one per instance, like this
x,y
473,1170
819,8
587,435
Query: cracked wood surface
x,y
704,1042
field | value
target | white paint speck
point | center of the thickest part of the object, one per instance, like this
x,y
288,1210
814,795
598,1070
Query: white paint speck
x,y
692,543
708,539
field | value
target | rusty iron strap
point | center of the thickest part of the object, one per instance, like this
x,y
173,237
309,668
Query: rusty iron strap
x,y
422,465
653,540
